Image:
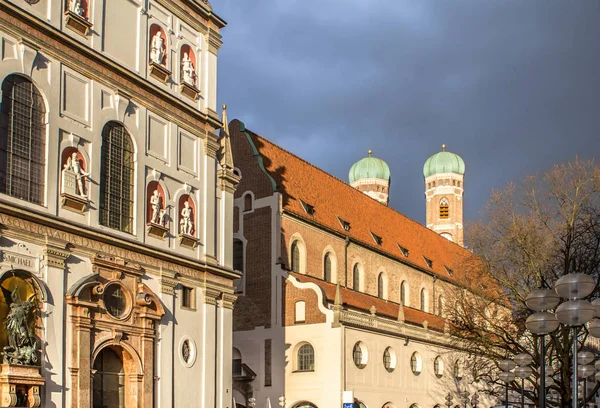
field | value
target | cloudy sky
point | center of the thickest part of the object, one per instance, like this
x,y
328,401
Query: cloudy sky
x,y
513,86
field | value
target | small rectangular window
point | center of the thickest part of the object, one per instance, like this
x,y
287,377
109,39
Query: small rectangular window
x,y
187,297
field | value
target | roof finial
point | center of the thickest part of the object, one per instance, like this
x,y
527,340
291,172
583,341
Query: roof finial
x,y
370,152
444,147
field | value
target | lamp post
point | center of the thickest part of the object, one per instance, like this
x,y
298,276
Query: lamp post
x,y
506,375
575,312
465,398
475,400
251,402
449,400
541,323
523,371
585,370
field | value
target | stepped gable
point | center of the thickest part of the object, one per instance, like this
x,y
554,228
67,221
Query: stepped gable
x,y
296,180
363,302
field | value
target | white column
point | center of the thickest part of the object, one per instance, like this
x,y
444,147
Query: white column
x,y
165,349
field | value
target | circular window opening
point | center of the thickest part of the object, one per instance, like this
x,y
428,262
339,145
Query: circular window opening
x,y
438,367
360,355
186,351
416,364
389,359
115,300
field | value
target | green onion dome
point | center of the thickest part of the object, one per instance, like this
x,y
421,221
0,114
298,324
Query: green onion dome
x,y
444,162
368,168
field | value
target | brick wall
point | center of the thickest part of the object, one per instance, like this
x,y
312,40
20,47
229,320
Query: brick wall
x,y
291,295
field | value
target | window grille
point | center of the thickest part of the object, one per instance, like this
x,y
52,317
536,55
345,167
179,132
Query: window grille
x,y
295,258
306,358
116,178
444,212
357,356
22,140
327,267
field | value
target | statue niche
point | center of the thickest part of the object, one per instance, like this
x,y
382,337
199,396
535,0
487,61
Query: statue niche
x,y
73,181
188,73
158,53
20,378
157,211
77,16
187,231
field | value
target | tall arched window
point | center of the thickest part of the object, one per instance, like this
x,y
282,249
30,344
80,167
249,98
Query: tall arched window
x,y
306,358
295,257
327,267
404,293
356,277
22,140
444,208
109,380
238,255
424,300
440,306
116,178
382,286
247,202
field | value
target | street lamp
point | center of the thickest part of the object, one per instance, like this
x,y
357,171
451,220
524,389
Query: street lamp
x,y
465,398
585,370
506,375
542,323
575,312
475,400
449,402
251,402
523,371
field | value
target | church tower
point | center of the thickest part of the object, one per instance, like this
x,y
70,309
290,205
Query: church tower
x,y
371,176
444,174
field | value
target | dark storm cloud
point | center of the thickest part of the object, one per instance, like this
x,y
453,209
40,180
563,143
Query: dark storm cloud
x,y
511,85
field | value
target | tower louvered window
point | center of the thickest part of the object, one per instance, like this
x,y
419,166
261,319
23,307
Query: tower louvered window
x,y
116,178
444,213
22,140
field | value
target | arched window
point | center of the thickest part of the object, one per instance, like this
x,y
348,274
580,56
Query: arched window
x,y
248,202
389,359
424,300
416,364
360,355
444,208
22,140
438,367
458,372
295,257
109,380
238,255
306,358
382,286
327,267
404,293
116,178
236,357
356,277
440,306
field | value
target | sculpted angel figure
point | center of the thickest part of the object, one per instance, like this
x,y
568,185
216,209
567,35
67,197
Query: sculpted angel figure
x,y
21,347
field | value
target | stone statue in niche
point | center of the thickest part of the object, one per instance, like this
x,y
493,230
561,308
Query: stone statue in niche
x,y
157,49
73,177
22,347
186,225
158,213
187,70
75,7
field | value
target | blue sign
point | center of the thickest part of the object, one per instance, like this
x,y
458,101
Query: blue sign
x,y
348,405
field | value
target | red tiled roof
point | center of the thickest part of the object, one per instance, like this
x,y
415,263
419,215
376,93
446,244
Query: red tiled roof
x,y
363,301
297,180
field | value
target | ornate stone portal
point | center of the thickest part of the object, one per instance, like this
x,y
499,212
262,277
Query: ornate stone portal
x,y
20,378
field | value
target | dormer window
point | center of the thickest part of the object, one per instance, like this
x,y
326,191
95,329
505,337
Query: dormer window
x,y
378,240
309,209
403,250
345,224
449,271
429,262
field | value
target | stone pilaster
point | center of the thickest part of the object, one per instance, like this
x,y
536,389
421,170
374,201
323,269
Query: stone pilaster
x,y
166,343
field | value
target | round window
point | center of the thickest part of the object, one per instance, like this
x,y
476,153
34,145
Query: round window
x,y
389,359
187,351
416,364
360,355
438,367
115,300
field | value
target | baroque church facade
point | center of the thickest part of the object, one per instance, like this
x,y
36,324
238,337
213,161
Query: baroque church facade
x,y
116,206
342,299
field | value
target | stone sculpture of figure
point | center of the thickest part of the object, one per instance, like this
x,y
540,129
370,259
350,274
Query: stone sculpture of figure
x,y
186,225
157,49
76,8
74,165
187,69
157,217
21,349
